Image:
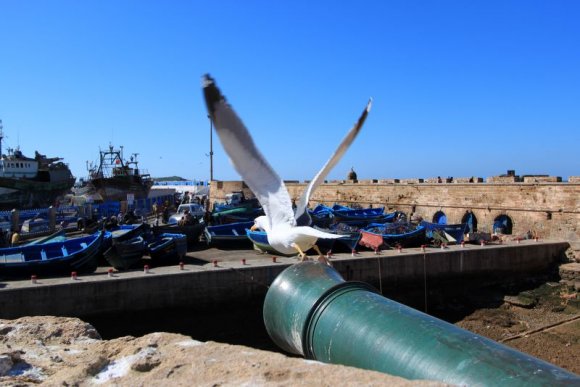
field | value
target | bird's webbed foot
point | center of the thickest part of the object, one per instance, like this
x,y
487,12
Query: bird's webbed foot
x,y
301,253
321,258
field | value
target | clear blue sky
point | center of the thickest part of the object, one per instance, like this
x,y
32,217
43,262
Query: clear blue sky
x,y
460,88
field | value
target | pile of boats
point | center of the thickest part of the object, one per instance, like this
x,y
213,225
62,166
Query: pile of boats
x,y
360,228
127,246
121,246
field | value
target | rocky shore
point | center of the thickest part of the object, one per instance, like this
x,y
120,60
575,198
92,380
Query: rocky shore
x,y
60,351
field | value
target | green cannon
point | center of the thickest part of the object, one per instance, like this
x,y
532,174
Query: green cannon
x,y
310,310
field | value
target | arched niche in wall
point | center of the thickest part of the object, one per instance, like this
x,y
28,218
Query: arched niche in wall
x,y
470,219
440,218
502,224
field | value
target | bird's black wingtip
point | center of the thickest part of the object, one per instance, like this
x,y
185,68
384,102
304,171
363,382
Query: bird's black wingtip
x,y
211,93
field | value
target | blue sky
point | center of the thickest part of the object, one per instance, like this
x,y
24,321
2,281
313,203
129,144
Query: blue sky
x,y
460,88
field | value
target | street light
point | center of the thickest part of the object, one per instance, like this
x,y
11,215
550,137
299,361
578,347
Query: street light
x,y
210,148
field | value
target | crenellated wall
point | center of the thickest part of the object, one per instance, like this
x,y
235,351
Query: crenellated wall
x,y
552,209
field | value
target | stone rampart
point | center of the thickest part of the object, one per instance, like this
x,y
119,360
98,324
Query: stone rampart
x,y
550,209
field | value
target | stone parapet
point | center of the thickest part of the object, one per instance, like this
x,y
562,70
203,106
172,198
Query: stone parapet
x,y
542,179
502,179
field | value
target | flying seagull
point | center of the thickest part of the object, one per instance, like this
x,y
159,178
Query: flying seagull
x,y
288,231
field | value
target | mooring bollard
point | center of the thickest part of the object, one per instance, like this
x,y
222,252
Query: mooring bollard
x,y
274,259
423,248
33,279
181,265
400,248
243,261
462,243
482,242
110,273
146,269
73,275
353,252
215,263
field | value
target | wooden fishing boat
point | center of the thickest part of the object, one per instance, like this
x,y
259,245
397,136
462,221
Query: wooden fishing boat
x,y
401,234
235,215
124,232
167,248
364,214
322,216
53,257
191,231
126,254
260,241
57,236
228,235
455,232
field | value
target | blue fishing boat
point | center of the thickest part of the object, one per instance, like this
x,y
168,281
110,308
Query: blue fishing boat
x,y
126,254
322,216
228,235
53,257
167,248
260,241
402,234
191,231
350,232
456,232
57,236
364,214
125,232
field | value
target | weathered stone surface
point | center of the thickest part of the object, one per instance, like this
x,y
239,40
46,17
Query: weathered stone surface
x,y
551,210
69,352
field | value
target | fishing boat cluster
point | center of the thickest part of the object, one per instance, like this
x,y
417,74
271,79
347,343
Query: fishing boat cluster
x,y
164,235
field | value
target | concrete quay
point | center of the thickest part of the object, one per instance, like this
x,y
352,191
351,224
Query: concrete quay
x,y
210,278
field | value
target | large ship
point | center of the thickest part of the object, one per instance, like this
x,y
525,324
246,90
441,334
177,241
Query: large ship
x,y
116,179
31,182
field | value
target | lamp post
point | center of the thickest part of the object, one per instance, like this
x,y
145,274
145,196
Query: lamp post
x,y
210,148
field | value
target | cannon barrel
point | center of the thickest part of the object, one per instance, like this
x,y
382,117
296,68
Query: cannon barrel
x,y
310,310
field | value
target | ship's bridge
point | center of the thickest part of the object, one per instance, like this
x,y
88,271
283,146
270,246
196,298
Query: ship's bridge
x,y
18,168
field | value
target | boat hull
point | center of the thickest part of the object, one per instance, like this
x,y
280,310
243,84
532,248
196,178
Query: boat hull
x,y
27,193
116,188
228,235
53,258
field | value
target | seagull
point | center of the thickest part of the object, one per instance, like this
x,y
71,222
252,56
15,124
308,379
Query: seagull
x,y
288,231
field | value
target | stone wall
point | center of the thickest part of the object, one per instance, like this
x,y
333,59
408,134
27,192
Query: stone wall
x,y
551,209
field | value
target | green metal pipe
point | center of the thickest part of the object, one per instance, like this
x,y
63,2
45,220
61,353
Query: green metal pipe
x,y
310,310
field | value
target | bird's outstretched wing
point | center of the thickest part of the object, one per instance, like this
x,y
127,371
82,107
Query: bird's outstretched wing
x,y
302,217
246,158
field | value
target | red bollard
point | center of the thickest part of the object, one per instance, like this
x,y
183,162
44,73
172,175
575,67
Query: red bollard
x,y
33,279
215,263
274,259
181,265
146,269
400,249
243,261
353,252
482,242
110,273
462,243
423,248
73,275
